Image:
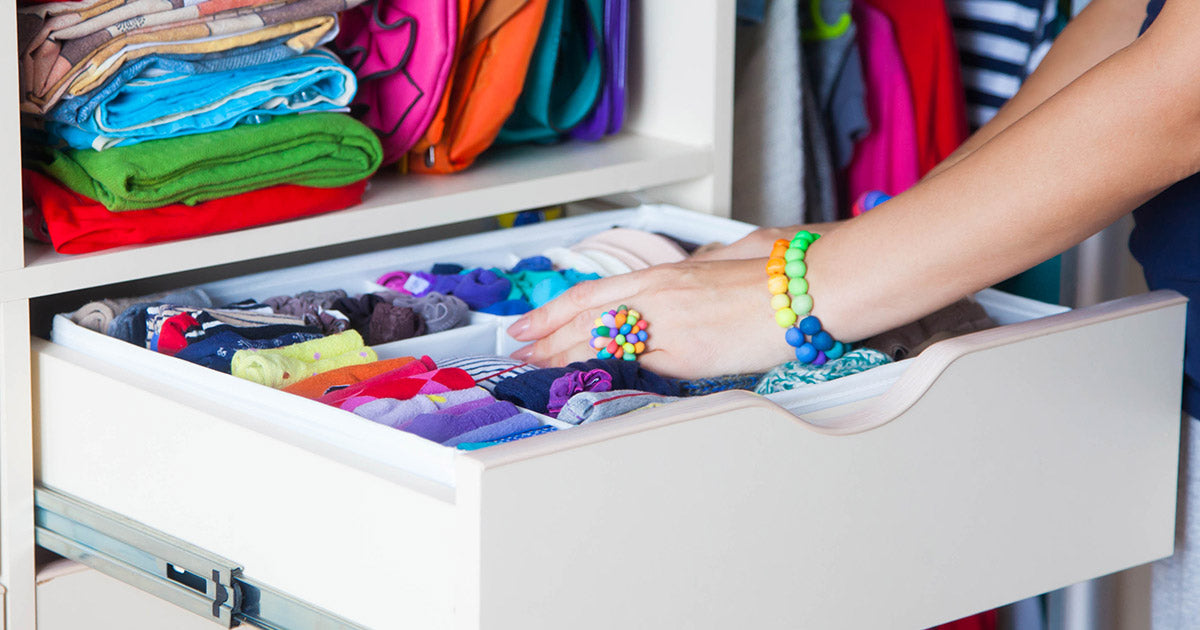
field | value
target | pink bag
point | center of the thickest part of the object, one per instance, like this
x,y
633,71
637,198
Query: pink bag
x,y
402,52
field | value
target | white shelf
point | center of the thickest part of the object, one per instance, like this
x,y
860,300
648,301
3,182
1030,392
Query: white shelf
x,y
513,179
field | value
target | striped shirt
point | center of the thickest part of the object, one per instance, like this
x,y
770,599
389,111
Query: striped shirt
x,y
999,43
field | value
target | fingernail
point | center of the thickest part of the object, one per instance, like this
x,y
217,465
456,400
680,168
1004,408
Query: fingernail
x,y
518,328
523,354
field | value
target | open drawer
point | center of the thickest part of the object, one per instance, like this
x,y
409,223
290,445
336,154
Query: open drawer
x,y
994,466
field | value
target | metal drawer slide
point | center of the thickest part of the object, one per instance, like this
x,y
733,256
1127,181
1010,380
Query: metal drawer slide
x,y
169,568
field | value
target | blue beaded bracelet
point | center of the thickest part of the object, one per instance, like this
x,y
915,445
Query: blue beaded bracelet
x,y
814,346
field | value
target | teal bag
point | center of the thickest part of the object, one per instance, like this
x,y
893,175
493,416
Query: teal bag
x,y
566,74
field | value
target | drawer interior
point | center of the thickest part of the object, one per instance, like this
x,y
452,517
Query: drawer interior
x,y
484,335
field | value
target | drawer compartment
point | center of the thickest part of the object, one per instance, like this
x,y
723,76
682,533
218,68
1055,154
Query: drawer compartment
x,y
993,466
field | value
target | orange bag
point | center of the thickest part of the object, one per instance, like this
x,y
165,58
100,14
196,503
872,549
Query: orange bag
x,y
497,38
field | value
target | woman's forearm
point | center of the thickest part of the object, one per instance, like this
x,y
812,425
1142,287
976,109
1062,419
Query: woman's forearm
x,y
1101,29
1100,147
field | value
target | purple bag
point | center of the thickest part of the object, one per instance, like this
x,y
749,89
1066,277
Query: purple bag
x,y
402,52
609,113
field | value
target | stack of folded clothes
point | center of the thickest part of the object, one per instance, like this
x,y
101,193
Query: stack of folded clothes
x,y
148,120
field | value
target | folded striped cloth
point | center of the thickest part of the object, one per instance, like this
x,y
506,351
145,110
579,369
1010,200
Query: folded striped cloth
x,y
60,62
162,102
323,150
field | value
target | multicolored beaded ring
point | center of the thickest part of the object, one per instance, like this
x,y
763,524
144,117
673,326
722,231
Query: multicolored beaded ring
x,y
790,299
620,333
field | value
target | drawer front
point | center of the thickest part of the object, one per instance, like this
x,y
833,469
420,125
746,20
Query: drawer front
x,y
366,543
995,469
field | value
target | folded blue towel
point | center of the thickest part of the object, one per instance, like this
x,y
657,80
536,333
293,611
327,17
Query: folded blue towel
x,y
166,100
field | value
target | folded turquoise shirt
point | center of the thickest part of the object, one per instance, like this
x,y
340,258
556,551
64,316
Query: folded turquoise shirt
x,y
165,100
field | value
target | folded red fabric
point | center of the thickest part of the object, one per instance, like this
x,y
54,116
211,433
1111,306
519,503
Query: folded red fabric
x,y
404,383
74,224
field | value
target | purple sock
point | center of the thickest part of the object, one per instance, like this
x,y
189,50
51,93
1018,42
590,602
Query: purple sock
x,y
440,427
481,288
574,382
397,413
393,412
531,390
509,426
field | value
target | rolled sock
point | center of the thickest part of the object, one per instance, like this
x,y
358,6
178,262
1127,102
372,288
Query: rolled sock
x,y
531,390
446,269
456,410
424,364
533,263
474,446
279,367
354,402
171,335
458,397
571,383
130,325
508,307
431,382
551,288
441,426
392,323
393,280
443,283
481,288
488,370
313,310
358,309
519,423
438,310
324,299
392,412
216,351
587,407
95,315
396,413
527,283
316,386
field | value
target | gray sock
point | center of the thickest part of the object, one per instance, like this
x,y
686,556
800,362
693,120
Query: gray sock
x,y
587,407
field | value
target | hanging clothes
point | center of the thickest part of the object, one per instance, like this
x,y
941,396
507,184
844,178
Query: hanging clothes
x,y
926,41
832,59
1000,43
768,160
886,159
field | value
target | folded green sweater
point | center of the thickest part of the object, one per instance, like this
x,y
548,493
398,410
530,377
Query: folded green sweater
x,y
323,150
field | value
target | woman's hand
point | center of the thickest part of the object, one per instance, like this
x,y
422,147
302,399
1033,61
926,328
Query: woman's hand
x,y
706,319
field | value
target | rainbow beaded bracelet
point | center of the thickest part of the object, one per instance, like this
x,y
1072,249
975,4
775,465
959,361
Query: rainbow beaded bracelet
x,y
792,303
